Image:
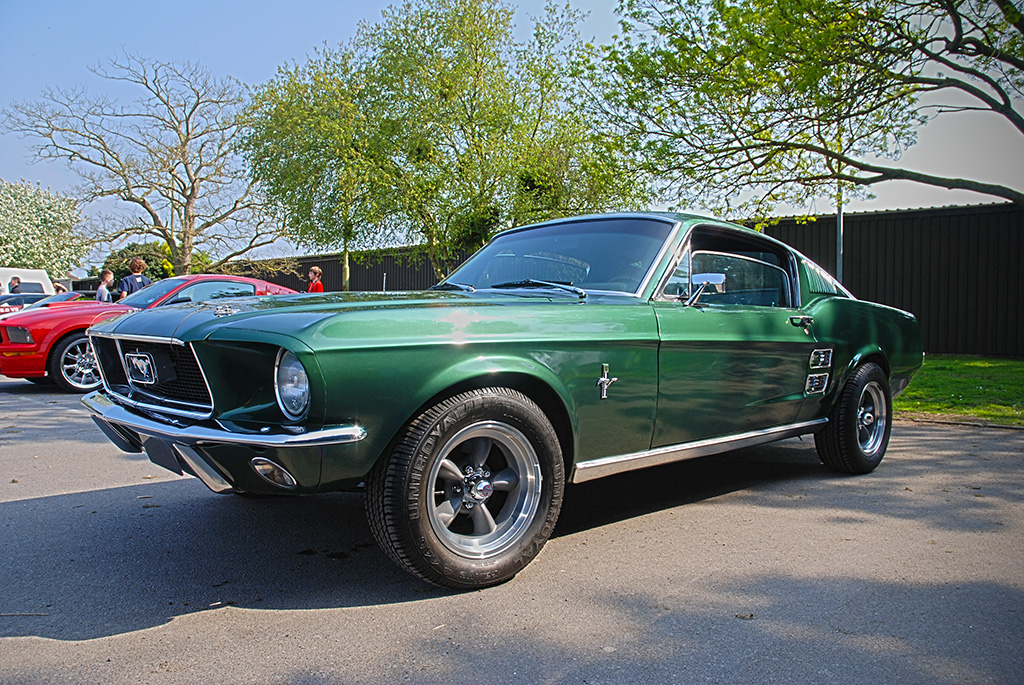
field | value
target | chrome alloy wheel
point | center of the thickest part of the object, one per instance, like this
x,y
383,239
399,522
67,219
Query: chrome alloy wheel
x,y
78,366
871,418
485,490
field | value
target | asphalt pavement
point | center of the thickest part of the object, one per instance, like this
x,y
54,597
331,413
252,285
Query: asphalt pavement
x,y
755,566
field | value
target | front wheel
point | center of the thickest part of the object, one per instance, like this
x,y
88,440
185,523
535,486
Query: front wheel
x,y
857,433
472,490
72,365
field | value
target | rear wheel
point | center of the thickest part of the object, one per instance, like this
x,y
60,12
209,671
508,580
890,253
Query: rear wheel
x,y
72,365
857,434
472,490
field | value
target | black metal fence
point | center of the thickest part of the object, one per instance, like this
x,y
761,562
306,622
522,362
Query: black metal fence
x,y
399,269
958,269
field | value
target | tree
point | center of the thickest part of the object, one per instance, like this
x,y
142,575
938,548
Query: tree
x,y
778,100
156,255
303,138
168,156
436,125
39,230
477,131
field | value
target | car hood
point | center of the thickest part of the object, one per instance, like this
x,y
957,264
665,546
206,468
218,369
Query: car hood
x,y
85,311
311,316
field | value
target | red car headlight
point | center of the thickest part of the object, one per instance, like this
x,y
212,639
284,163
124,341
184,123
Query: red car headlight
x,y
17,334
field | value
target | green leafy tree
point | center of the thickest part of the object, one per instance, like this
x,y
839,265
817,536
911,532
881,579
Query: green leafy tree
x,y
780,100
39,230
167,158
436,125
304,139
156,255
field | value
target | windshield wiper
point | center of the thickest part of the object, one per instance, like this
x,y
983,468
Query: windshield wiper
x,y
534,283
449,285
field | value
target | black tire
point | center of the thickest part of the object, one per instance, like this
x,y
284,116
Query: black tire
x,y
72,365
857,434
471,492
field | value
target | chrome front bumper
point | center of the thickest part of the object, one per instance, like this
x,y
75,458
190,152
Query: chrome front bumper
x,y
170,445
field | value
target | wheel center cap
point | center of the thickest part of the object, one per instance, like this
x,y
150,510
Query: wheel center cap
x,y
867,418
481,490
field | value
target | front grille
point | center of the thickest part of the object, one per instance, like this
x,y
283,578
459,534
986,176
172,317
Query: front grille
x,y
178,377
176,383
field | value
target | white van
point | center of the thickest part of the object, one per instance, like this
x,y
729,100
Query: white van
x,y
32,281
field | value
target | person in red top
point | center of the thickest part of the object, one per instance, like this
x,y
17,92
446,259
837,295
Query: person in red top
x,y
315,285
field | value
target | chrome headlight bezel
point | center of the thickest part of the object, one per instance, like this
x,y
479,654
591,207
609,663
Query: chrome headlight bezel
x,y
291,385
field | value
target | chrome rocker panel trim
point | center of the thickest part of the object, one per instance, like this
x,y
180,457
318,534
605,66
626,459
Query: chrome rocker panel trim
x,y
106,411
620,463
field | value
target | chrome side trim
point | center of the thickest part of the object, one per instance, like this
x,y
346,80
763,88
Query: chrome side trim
x,y
159,339
108,411
620,463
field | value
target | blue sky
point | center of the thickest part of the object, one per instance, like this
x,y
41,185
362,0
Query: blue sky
x,y
53,43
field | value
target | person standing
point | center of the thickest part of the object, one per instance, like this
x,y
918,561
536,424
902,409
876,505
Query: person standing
x,y
14,287
315,284
135,280
106,280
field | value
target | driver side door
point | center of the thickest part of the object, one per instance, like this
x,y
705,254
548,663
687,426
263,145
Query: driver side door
x,y
735,359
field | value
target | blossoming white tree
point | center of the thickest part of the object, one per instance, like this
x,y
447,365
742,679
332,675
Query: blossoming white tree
x,y
39,229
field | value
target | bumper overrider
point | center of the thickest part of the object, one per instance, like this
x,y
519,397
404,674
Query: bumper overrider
x,y
225,460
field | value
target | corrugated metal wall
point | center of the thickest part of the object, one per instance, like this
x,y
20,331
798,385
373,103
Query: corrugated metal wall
x,y
403,269
957,269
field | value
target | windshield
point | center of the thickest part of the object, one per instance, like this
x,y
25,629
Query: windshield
x,y
151,293
597,254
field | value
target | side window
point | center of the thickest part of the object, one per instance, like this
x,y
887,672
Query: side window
x,y
738,279
212,290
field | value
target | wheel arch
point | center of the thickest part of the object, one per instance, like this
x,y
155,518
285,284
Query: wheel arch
x,y
60,338
872,354
515,374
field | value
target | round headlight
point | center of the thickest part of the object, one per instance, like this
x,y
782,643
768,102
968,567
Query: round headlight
x,y
291,385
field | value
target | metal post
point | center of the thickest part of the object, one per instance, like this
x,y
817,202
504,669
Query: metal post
x,y
839,233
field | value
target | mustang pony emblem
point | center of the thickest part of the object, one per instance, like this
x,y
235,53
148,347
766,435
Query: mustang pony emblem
x,y
141,368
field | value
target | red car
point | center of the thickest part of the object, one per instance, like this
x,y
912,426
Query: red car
x,y
50,343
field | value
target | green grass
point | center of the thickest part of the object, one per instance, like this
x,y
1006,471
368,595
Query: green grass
x,y
980,388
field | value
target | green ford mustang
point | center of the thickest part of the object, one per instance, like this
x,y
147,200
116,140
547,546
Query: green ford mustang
x,y
560,352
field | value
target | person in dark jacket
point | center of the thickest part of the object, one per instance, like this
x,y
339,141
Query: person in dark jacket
x,y
135,280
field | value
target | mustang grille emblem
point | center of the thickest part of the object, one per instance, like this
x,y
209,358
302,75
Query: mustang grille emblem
x,y
141,368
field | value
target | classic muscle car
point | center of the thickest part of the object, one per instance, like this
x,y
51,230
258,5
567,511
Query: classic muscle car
x,y
558,353
49,344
